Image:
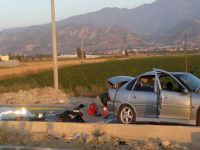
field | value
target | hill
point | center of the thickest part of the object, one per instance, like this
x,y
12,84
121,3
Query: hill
x,y
146,20
109,28
32,40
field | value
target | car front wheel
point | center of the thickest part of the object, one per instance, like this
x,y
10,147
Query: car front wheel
x,y
126,115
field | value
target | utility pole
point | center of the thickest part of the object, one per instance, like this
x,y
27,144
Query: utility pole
x,y
82,48
54,45
186,52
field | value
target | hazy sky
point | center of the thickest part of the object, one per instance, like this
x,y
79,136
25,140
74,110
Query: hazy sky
x,y
15,13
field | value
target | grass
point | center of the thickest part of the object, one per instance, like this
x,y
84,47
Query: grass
x,y
90,79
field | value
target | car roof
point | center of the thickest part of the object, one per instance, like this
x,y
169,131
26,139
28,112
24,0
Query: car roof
x,y
177,73
151,73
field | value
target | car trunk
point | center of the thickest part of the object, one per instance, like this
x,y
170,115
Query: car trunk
x,y
114,84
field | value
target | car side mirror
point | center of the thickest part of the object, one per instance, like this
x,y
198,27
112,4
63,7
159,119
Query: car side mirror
x,y
185,91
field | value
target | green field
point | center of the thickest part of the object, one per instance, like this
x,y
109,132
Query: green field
x,y
90,79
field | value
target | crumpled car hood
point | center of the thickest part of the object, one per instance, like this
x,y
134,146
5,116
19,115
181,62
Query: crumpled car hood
x,y
119,79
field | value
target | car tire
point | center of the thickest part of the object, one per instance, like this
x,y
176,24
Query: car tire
x,y
198,118
126,115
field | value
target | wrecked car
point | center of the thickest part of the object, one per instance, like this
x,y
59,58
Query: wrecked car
x,y
10,113
155,96
22,114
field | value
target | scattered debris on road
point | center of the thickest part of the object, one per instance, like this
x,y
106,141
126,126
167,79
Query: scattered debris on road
x,y
22,114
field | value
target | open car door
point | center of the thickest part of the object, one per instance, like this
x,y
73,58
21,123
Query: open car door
x,y
173,98
159,97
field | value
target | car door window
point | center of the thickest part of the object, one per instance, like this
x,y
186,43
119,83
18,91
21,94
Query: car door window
x,y
131,84
168,83
145,84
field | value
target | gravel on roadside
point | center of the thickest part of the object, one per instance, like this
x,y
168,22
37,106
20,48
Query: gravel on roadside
x,y
35,96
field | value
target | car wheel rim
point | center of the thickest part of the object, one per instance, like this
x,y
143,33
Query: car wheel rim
x,y
126,115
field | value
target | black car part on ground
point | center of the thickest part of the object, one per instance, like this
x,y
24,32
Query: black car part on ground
x,y
75,115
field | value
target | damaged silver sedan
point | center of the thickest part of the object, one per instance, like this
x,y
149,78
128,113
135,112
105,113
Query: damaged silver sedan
x,y
156,96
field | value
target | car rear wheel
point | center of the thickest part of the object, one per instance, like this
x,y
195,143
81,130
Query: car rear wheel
x,y
126,115
198,119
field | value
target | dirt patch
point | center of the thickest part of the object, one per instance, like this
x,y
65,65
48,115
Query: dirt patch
x,y
35,96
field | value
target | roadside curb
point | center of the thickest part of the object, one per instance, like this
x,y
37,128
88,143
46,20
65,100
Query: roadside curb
x,y
184,134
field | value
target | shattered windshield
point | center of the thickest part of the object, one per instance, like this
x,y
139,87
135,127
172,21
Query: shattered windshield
x,y
190,80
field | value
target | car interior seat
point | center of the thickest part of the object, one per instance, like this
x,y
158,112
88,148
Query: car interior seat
x,y
169,86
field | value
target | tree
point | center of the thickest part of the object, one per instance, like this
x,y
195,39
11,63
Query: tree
x,y
126,53
80,53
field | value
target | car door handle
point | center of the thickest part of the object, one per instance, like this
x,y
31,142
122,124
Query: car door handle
x,y
134,96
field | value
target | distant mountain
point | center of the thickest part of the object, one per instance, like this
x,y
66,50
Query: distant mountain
x,y
191,28
109,28
38,39
145,20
